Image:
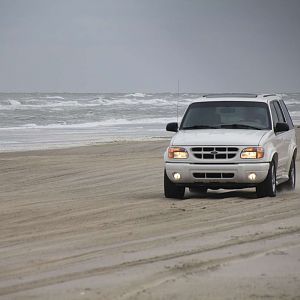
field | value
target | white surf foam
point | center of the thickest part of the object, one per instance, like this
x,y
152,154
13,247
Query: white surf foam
x,y
59,103
54,97
292,101
138,95
105,123
295,113
13,102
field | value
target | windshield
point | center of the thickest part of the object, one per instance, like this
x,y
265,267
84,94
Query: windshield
x,y
227,114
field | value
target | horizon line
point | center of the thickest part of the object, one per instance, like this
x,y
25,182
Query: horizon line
x,y
144,92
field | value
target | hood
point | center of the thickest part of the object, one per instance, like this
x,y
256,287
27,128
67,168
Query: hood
x,y
218,137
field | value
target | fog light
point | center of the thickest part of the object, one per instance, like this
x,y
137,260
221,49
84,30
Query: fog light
x,y
176,176
252,176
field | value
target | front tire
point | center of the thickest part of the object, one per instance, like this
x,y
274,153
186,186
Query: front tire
x,y
268,186
171,189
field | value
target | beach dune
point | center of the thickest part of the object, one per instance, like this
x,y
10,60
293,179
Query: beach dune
x,y
92,223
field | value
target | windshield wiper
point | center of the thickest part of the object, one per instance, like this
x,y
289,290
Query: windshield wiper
x,y
239,126
201,127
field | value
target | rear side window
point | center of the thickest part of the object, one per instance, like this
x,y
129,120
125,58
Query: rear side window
x,y
274,114
286,114
279,112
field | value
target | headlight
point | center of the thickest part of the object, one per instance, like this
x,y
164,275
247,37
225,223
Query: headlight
x,y
177,152
253,152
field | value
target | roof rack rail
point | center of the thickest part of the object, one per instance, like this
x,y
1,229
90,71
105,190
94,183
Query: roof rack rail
x,y
268,95
231,95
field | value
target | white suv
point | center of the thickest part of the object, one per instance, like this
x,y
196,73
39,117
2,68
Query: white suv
x,y
232,141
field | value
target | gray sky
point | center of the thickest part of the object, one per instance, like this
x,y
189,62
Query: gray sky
x,y
147,45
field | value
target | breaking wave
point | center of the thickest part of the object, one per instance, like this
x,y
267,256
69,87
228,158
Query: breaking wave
x,y
54,97
104,123
42,104
138,95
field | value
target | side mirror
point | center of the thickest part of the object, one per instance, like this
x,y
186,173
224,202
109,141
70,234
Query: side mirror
x,y
172,127
280,127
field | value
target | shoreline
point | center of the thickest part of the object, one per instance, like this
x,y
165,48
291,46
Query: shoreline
x,y
90,144
110,140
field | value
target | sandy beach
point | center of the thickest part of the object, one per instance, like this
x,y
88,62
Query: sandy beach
x,y
92,223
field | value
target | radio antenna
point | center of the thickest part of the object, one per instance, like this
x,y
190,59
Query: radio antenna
x,y
177,98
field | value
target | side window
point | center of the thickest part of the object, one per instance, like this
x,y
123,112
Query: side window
x,y
286,114
274,114
279,112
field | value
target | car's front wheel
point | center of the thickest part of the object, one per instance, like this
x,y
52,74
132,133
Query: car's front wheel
x,y
171,189
268,186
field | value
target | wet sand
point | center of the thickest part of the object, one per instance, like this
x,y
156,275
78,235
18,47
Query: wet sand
x,y
92,223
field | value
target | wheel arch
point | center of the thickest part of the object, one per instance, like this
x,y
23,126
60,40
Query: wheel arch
x,y
295,153
275,159
293,156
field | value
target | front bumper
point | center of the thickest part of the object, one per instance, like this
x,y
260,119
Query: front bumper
x,y
238,171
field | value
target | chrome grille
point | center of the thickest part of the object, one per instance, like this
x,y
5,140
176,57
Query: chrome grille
x,y
214,152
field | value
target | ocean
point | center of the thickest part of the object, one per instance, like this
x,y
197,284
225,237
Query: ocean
x,y
54,120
